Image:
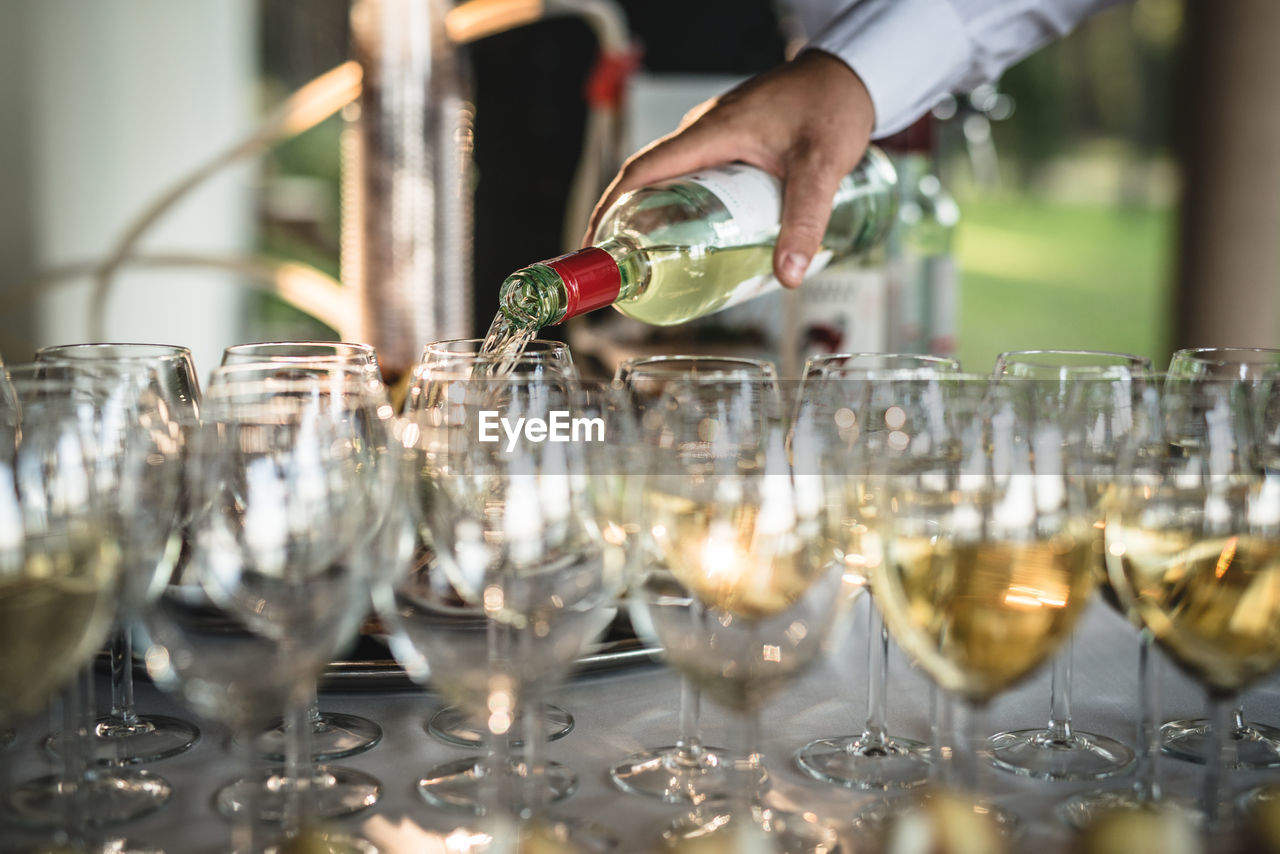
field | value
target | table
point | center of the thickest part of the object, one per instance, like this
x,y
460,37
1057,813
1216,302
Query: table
x,y
622,711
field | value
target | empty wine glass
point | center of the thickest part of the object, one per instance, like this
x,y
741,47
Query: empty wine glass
x,y
872,759
138,446
688,771
464,357
509,580
1257,744
358,402
1193,546
334,735
285,484
1060,751
989,549
745,595
123,735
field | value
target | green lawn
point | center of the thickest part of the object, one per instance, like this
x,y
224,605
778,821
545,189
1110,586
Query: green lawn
x,y
1040,275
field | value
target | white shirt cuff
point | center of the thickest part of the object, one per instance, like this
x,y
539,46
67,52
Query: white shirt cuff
x,y
908,53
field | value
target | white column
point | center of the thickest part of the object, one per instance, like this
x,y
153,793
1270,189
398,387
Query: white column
x,y
117,100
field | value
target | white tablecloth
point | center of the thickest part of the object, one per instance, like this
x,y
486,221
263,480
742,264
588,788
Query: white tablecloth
x,y
622,711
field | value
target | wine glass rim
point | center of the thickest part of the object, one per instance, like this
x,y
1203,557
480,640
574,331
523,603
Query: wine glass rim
x,y
336,346
77,352
1203,354
468,349
1118,356
924,358
736,366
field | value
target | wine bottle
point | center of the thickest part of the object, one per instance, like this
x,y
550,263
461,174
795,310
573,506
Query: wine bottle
x,y
694,245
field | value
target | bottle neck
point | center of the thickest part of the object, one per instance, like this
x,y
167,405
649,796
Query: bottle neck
x,y
552,291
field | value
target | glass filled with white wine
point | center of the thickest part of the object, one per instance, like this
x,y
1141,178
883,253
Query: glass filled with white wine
x,y
744,595
1257,743
1193,547
874,758
688,770
1097,384
989,549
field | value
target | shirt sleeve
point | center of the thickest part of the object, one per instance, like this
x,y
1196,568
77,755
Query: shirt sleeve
x,y
909,53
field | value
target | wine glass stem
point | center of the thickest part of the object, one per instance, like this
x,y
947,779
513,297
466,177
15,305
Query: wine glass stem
x,y
122,708
1060,695
1222,748
940,732
752,790
689,739
244,823
534,750
1238,724
965,768
875,732
299,771
77,716
1146,783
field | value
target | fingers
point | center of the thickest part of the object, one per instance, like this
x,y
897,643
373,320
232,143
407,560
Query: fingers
x,y
810,185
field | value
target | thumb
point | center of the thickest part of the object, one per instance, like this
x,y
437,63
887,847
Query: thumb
x,y
806,209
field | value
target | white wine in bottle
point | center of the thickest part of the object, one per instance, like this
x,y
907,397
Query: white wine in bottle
x,y
691,246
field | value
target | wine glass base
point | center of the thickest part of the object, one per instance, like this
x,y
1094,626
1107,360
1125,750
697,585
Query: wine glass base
x,y
1083,810
857,762
148,739
1036,753
333,736
113,795
764,829
100,846
462,785
676,776
453,725
322,842
873,822
1257,745
334,792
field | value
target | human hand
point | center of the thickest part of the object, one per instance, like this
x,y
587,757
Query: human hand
x,y
807,122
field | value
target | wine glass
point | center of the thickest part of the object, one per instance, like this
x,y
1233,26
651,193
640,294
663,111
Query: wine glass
x,y
128,468
59,576
124,736
509,581
688,771
745,595
1059,751
1193,547
358,401
1257,744
465,357
872,759
286,483
334,735
989,545
137,450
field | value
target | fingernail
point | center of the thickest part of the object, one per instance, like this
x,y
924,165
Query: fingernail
x,y
793,266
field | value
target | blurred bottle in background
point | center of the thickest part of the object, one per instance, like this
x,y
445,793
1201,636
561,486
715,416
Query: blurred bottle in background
x,y
923,279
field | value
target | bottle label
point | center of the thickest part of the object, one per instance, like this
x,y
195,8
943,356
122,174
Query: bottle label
x,y
591,280
752,196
